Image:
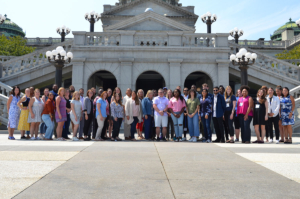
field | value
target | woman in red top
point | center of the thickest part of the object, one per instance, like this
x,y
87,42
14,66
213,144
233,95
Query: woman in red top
x,y
48,116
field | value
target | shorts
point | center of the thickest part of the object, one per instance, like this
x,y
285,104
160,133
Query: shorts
x,y
140,125
236,122
161,121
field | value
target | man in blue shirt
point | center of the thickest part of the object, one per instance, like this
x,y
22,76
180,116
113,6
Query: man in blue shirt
x,y
54,91
218,110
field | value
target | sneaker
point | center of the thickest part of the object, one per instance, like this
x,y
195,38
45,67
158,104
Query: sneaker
x,y
23,137
176,140
32,138
271,141
180,140
164,140
41,136
277,141
192,139
195,139
208,141
204,140
116,140
75,139
201,139
236,140
183,139
38,138
157,140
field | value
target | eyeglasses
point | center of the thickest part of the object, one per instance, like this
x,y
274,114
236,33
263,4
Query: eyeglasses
x,y
216,90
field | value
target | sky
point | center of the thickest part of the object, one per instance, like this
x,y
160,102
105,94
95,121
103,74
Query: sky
x,y
258,18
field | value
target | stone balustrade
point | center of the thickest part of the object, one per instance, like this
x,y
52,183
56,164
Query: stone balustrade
x,y
44,41
4,94
164,39
294,41
293,61
5,58
262,44
34,59
271,64
297,113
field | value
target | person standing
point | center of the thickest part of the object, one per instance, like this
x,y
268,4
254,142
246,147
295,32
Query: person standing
x,y
109,118
81,125
88,114
54,92
176,107
218,110
101,116
245,114
61,113
260,115
279,95
133,112
68,109
72,91
192,109
48,116
147,106
287,107
236,118
170,121
117,113
229,113
23,105
36,107
95,123
126,125
273,113
75,114
43,126
185,117
205,113
13,111
139,126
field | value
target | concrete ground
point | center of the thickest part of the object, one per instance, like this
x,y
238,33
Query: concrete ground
x,y
56,169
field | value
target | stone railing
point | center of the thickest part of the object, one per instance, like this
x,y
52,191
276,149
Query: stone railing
x,y
293,61
295,92
5,58
272,64
261,44
4,94
44,41
164,39
31,60
294,41
297,113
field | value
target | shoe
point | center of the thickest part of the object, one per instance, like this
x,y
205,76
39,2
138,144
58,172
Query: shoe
x,y
28,137
67,138
208,141
183,139
75,139
81,138
180,140
222,141
157,140
41,136
201,139
116,140
32,138
236,140
271,141
260,142
277,141
38,138
177,140
195,139
164,140
23,137
247,142
281,140
192,139
256,141
174,139
216,141
87,139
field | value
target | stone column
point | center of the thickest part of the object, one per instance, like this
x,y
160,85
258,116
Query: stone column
x,y
78,73
223,72
175,73
126,74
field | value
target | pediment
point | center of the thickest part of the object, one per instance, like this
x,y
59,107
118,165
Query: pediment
x,y
137,7
149,21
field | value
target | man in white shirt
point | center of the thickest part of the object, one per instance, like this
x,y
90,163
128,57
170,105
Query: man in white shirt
x,y
126,126
80,129
273,112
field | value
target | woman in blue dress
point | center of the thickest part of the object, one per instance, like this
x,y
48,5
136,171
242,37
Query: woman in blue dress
x,y
287,107
13,112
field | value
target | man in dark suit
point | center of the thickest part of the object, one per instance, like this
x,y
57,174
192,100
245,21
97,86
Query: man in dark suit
x,y
218,110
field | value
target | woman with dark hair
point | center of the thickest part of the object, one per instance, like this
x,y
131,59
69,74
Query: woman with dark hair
x,y
48,116
192,107
23,105
236,118
68,109
176,107
169,95
95,124
229,113
88,114
279,95
133,111
260,115
205,112
139,126
117,91
117,113
245,114
101,114
287,107
13,112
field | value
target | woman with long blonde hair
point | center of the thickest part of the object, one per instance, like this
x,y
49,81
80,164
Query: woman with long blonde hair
x,y
229,115
61,113
75,114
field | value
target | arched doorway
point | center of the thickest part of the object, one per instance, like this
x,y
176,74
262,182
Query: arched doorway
x,y
198,78
102,79
150,80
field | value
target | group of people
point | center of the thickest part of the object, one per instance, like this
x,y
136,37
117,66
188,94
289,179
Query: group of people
x,y
161,114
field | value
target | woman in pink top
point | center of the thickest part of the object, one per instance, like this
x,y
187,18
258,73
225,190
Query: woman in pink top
x,y
176,107
245,114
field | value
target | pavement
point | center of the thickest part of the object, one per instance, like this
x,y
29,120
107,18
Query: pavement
x,y
142,169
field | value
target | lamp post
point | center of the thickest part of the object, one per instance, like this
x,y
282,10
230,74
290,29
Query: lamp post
x,y
206,18
63,31
236,34
298,23
2,18
92,17
243,59
59,57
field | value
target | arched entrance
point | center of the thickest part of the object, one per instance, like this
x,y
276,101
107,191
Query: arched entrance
x,y
150,80
198,78
102,79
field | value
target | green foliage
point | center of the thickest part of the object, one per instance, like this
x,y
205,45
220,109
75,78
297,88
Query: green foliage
x,y
292,54
14,46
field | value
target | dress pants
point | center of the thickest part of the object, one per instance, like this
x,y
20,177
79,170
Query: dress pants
x,y
116,127
206,127
87,124
147,126
219,128
104,129
226,130
126,128
229,124
100,127
185,124
66,127
273,121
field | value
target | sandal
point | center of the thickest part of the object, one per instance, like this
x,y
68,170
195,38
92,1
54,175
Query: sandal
x,y
230,141
11,138
281,140
290,141
255,141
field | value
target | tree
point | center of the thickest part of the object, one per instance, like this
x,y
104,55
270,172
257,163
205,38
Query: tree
x,y
14,46
292,54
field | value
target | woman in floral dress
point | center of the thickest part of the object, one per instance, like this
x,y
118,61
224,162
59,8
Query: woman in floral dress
x,y
13,112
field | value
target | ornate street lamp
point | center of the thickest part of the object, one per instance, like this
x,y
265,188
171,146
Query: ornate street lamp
x,y
236,35
2,18
59,57
92,17
206,18
298,23
243,59
63,31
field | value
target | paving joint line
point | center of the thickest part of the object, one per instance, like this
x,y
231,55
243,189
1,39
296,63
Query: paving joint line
x,y
50,172
164,171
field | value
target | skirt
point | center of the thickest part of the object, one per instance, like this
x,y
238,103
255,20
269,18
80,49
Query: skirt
x,y
23,121
73,118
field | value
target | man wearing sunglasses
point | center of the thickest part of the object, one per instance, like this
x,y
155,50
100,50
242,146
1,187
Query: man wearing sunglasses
x,y
218,110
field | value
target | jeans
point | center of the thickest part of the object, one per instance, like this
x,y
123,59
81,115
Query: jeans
x,y
185,125
116,127
206,127
100,126
147,126
273,121
245,128
178,124
43,128
229,123
66,127
219,128
50,125
193,124
170,125
133,129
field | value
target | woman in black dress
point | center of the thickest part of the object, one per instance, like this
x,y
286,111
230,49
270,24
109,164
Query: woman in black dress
x,y
260,115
